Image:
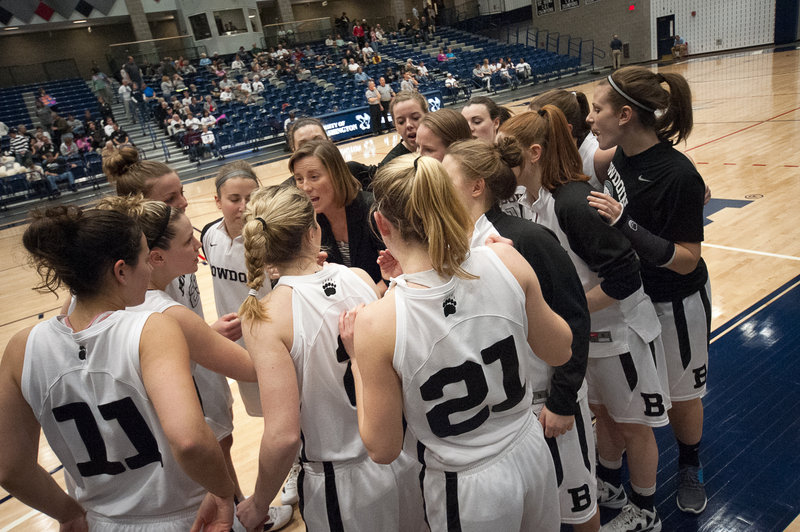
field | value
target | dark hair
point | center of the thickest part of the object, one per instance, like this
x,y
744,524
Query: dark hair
x,y
495,111
303,122
671,115
491,162
560,161
79,248
574,105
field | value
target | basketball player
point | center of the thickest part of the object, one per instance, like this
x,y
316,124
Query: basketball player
x,y
484,117
305,377
626,389
407,108
110,388
438,130
482,176
657,204
448,349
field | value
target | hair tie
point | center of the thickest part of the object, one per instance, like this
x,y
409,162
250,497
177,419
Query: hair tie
x,y
660,77
630,99
416,161
542,113
162,228
263,223
252,292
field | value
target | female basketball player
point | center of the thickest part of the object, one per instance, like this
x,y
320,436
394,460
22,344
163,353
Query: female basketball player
x,y
341,205
484,117
626,390
157,181
407,109
658,205
482,176
440,129
111,389
575,107
306,380
448,350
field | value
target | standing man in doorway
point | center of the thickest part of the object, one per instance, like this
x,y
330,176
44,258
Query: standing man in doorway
x,y
616,52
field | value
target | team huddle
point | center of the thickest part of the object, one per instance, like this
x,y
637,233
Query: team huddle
x,y
428,340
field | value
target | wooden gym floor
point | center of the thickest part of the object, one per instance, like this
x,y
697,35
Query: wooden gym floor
x,y
747,120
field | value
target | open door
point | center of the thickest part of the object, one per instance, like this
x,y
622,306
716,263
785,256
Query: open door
x,y
665,31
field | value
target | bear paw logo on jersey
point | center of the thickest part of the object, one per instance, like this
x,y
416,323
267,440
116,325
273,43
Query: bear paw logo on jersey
x,y
449,306
363,121
329,287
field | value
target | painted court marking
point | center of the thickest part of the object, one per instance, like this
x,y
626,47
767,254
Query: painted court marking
x,y
752,251
743,129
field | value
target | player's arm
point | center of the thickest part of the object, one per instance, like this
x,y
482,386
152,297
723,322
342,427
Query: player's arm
x,y
20,473
210,349
379,394
166,373
269,343
548,334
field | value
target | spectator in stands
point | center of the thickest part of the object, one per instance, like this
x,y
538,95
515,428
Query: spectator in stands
x,y
44,114
101,85
119,137
408,83
209,143
226,95
177,82
209,104
616,52
96,135
442,57
352,66
68,147
148,91
59,128
76,125
360,76
368,53
207,120
84,144
133,71
508,75
3,129
486,68
679,47
40,129
523,69
196,106
46,100
454,87
108,127
204,60
401,27
56,169
20,147
330,42
166,87
450,55
480,79
175,128
125,96
340,43
387,94
237,65
41,145
167,67
422,70
390,76
105,108
192,122
358,33
87,118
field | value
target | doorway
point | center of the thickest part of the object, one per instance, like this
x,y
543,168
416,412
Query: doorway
x,y
665,31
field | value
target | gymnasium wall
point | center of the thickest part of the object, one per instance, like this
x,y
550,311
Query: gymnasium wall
x,y
599,20
717,24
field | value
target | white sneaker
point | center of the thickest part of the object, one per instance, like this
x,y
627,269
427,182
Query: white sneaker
x,y
634,519
289,493
610,496
279,517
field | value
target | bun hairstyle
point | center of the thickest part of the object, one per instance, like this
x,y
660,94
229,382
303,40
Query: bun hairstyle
x,y
560,161
235,169
491,162
155,218
416,196
345,186
668,112
129,174
495,111
574,105
78,248
448,125
276,222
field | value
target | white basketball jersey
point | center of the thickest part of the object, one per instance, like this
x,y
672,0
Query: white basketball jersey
x,y
586,151
225,256
215,394
464,360
86,390
328,417
184,290
611,325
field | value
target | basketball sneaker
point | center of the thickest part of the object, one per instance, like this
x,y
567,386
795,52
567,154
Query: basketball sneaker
x,y
610,496
634,519
691,491
279,517
289,493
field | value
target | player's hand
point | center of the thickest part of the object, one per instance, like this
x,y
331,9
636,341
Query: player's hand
x,y
553,424
707,195
215,514
606,206
250,515
229,326
76,524
347,322
389,265
497,239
